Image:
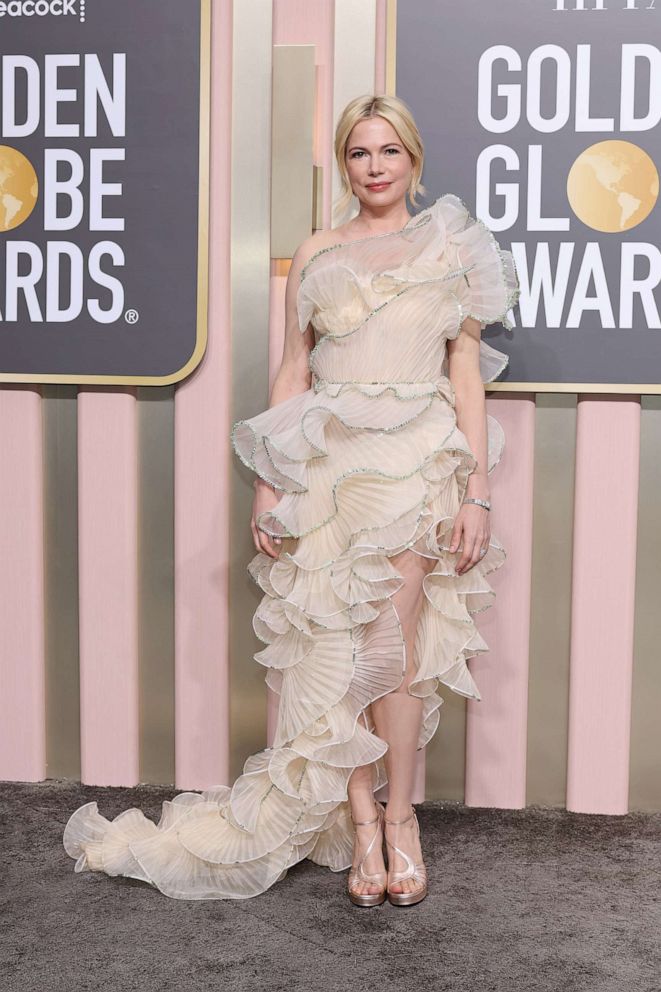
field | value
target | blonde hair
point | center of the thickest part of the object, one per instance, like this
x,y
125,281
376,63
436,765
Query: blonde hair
x,y
397,113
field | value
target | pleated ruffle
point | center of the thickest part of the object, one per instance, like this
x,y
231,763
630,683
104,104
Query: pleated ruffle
x,y
365,470
452,257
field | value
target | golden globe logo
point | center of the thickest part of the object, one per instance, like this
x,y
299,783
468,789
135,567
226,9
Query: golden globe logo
x,y
40,8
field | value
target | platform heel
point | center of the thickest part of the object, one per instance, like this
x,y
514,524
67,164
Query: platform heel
x,y
413,870
358,873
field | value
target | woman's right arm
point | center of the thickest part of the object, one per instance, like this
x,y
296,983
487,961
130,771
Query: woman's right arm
x,y
293,377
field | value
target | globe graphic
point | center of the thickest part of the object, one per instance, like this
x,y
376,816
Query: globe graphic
x,y
613,186
19,188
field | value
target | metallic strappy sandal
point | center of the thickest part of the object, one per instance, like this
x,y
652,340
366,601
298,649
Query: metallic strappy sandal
x,y
417,872
358,873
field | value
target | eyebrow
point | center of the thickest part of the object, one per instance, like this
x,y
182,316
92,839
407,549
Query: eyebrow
x,y
363,149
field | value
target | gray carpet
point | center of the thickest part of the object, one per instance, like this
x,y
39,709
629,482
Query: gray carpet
x,y
534,899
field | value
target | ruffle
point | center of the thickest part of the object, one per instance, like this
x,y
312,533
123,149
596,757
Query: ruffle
x,y
447,246
333,645
366,470
281,443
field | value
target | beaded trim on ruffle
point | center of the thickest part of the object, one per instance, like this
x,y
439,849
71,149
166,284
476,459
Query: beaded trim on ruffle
x,y
440,448
440,390
409,226
352,427
512,296
470,221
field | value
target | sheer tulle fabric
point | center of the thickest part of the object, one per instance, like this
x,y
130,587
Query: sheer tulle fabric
x,y
369,462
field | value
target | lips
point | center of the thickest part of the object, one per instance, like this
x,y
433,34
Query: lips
x,y
377,186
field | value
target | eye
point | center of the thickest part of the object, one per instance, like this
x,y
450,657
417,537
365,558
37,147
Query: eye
x,y
360,152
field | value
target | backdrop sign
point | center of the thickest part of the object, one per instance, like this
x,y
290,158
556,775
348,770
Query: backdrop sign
x,y
543,116
103,189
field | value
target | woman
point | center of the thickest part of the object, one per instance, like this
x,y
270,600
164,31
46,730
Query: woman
x,y
371,525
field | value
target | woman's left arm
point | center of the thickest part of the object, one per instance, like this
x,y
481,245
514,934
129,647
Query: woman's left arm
x,y
472,520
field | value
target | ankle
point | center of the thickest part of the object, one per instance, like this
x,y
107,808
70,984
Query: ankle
x,y
363,806
399,811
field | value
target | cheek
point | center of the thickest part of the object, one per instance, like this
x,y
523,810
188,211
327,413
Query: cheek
x,y
401,166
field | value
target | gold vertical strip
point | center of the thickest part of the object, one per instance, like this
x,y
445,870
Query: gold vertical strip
x,y
292,173
391,47
252,35
550,621
445,755
644,778
61,580
317,197
156,582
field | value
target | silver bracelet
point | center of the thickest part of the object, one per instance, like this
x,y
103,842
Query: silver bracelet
x,y
480,502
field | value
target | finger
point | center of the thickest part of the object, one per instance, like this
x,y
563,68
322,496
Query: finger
x,y
475,557
263,543
267,541
255,536
480,550
471,551
275,544
456,537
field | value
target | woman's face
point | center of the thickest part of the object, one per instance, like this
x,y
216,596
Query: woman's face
x,y
375,154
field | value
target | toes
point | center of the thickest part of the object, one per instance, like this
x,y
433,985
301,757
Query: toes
x,y
366,888
406,885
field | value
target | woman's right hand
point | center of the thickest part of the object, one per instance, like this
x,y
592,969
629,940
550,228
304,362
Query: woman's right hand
x,y
266,497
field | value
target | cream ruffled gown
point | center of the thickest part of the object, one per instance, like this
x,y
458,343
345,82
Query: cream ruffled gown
x,y
369,461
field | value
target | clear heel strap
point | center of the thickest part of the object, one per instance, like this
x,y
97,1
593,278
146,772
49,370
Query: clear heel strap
x,y
359,869
414,870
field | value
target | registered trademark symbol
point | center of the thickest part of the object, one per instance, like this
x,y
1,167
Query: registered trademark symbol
x,y
131,316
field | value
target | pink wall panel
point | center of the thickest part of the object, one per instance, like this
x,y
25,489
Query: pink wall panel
x,y
496,735
202,467
22,690
603,591
108,585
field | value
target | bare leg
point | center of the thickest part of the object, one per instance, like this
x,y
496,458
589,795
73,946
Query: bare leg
x,y
397,718
361,798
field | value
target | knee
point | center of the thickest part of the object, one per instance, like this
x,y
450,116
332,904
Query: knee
x,y
413,566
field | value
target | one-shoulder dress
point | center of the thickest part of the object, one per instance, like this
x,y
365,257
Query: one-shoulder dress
x,y
369,461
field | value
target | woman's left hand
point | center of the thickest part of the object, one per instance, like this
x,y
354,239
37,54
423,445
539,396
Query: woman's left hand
x,y
471,523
